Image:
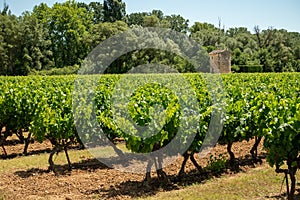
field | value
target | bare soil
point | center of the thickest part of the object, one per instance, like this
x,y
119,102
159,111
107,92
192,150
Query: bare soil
x,y
14,148
90,179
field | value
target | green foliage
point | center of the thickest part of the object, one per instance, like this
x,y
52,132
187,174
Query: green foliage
x,y
134,51
256,105
95,9
35,45
67,25
250,68
151,21
53,116
136,18
178,23
113,10
206,34
10,43
156,18
216,163
64,34
40,105
235,68
144,103
103,31
56,71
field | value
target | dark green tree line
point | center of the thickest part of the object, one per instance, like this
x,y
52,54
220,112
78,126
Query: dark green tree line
x,y
64,34
275,50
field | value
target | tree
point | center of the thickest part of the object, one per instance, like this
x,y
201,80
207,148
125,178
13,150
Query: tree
x,y
68,25
158,13
144,51
151,21
153,18
243,37
242,45
95,9
10,36
275,52
24,45
114,10
202,26
42,13
206,34
103,31
178,23
5,10
35,45
2,55
136,18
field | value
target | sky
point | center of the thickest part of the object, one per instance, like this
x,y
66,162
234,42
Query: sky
x,y
279,14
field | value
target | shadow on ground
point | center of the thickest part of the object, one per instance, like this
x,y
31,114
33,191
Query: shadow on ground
x,y
283,196
32,152
86,165
135,189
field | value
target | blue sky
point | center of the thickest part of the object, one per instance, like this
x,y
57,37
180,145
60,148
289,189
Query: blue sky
x,y
233,13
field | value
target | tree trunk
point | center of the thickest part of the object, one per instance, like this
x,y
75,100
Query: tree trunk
x,y
253,151
5,153
231,154
2,140
148,173
20,135
27,142
118,151
287,186
292,173
186,157
160,172
293,185
68,158
199,168
50,160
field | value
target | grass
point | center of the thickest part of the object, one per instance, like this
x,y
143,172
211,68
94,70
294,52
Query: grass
x,y
258,183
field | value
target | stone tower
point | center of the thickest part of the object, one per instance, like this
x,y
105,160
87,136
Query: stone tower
x,y
220,61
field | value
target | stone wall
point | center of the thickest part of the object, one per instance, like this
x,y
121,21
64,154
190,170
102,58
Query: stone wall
x,y
220,61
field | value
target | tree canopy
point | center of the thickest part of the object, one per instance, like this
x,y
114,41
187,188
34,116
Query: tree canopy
x,y
64,34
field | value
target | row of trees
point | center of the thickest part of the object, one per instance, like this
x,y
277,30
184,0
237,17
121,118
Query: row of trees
x,y
64,34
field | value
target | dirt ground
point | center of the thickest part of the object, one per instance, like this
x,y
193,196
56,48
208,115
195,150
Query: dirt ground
x,y
90,179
